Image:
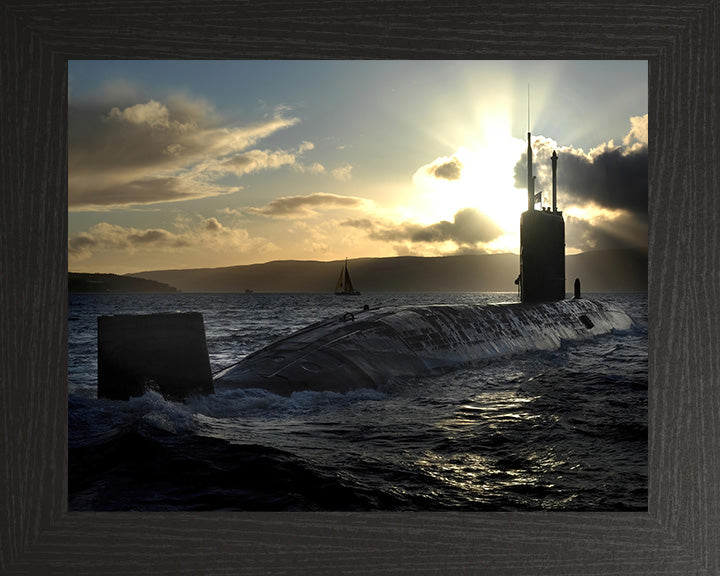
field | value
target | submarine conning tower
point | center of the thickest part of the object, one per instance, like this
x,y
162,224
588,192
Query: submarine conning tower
x,y
542,244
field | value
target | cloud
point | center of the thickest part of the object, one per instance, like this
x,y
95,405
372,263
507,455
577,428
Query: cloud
x,y
447,169
305,146
105,236
469,229
154,151
604,192
213,225
293,206
202,235
314,168
153,114
155,236
315,238
256,160
611,180
81,243
147,191
469,226
638,134
444,168
620,230
343,173
609,176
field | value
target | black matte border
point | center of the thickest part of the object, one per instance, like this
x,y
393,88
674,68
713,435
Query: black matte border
x,y
680,534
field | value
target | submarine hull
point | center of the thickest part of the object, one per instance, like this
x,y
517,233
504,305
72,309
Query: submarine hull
x,y
366,349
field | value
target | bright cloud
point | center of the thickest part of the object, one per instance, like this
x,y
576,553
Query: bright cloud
x,y
638,135
256,160
152,113
342,173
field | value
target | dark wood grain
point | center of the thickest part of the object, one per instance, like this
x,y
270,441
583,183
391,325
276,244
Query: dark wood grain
x,y
681,532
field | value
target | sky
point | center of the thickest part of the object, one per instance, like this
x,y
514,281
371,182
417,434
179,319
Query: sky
x,y
195,164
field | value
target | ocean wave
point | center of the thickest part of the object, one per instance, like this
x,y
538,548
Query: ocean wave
x,y
564,429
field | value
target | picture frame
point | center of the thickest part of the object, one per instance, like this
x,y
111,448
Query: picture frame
x,y
680,532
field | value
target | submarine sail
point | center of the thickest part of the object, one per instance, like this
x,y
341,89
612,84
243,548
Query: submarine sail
x,y
542,244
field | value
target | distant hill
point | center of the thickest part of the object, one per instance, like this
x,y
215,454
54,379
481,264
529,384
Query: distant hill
x,y
79,282
623,270
600,271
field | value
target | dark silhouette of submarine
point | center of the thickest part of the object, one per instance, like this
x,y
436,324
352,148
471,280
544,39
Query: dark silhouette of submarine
x,y
368,347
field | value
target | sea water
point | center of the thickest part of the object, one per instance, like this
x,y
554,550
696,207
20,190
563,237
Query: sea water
x,y
559,430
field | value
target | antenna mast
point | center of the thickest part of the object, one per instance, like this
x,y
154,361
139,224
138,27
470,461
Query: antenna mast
x,y
530,183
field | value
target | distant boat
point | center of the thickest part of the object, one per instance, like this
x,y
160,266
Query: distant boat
x,y
344,285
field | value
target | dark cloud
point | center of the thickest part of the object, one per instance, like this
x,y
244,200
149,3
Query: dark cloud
x,y
136,192
157,152
298,205
612,177
105,236
450,170
152,236
625,231
360,223
608,179
212,224
81,242
101,140
468,229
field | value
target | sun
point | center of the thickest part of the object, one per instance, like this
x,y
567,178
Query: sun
x,y
479,177
488,182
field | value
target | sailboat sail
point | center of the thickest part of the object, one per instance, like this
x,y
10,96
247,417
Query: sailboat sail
x,y
344,285
339,285
348,282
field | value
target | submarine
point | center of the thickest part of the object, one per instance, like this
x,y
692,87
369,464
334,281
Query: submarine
x,y
368,347
364,349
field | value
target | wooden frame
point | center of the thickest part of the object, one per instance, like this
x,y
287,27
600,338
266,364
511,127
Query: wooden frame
x,y
680,534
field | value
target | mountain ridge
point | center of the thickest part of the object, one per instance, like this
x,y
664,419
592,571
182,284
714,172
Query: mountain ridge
x,y
98,282
619,270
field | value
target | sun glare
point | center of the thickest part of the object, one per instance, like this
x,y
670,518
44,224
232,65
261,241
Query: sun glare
x,y
483,178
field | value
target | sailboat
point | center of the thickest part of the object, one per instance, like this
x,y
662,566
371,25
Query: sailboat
x,y
344,285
